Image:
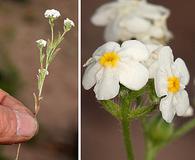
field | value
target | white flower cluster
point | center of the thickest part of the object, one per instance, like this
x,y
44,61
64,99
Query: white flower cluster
x,y
41,43
52,13
129,19
68,24
132,64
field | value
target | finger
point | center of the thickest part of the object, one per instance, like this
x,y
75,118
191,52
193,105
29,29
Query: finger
x,y
17,123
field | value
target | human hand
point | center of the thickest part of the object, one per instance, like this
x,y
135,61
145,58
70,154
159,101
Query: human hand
x,y
17,123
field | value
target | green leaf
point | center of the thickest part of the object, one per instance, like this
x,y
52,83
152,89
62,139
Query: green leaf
x,y
111,107
141,112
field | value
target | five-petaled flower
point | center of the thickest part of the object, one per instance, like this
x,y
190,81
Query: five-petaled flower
x,y
52,14
127,19
112,64
170,81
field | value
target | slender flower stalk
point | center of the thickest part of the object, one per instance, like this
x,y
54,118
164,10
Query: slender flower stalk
x,y
46,57
127,136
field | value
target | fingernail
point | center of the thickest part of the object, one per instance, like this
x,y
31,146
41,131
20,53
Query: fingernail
x,y
26,124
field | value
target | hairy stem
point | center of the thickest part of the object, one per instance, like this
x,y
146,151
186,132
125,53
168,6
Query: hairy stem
x,y
125,122
127,139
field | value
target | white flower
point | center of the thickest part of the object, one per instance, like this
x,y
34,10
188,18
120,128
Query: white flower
x,y
112,64
41,43
68,24
127,19
52,13
170,82
157,52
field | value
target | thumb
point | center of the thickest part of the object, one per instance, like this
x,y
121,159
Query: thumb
x,y
17,123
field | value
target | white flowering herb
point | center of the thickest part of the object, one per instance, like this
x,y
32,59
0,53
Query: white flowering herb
x,y
47,50
112,64
137,81
68,24
129,19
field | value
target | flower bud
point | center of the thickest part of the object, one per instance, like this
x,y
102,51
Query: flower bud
x,y
68,24
41,43
158,130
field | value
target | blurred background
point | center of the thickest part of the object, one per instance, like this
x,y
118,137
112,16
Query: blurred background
x,y
101,136
21,24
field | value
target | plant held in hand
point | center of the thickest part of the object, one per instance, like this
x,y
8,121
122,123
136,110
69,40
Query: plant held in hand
x,y
48,50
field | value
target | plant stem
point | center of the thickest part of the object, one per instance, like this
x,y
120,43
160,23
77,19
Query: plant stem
x,y
18,152
125,122
127,139
52,34
150,151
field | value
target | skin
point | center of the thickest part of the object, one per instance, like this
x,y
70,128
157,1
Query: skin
x,y
17,123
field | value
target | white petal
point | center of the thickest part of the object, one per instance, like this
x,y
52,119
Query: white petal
x,y
152,11
89,77
153,70
104,14
152,47
133,75
189,112
165,56
135,49
167,109
161,82
181,102
107,47
135,25
157,32
107,86
109,34
183,71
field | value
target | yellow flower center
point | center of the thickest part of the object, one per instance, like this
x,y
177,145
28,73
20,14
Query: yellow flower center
x,y
109,59
173,84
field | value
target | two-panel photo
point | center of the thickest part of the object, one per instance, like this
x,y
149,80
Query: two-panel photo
x,y
97,80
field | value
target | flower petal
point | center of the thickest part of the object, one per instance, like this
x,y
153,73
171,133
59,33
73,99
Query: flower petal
x,y
135,25
160,81
183,71
133,75
157,32
104,14
152,11
167,109
189,112
152,47
181,102
165,56
135,49
89,77
107,86
107,47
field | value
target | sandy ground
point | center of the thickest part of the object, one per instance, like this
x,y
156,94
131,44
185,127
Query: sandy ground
x,y
58,115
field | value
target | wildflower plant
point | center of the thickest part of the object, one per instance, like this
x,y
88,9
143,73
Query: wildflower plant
x,y
139,79
48,51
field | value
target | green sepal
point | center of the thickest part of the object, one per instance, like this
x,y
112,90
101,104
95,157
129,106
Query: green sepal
x,y
111,107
